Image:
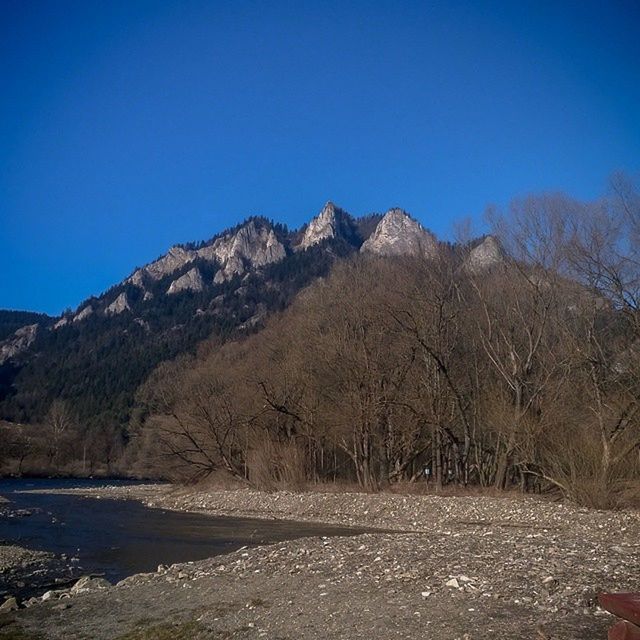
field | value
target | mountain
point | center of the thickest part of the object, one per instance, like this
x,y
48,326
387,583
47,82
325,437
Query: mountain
x,y
97,356
11,321
399,234
332,222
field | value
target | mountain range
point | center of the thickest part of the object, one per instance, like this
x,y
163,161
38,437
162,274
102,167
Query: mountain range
x,y
96,356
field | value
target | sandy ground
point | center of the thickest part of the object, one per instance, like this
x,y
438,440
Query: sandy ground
x,y
466,567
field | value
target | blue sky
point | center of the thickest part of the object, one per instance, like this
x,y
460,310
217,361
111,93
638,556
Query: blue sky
x,y
128,126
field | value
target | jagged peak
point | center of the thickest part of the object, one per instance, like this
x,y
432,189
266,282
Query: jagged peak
x,y
254,240
255,244
329,209
400,234
329,223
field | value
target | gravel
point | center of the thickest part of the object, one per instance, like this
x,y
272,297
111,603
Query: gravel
x,y
444,568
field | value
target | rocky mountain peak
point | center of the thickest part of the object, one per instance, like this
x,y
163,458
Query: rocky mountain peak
x,y
325,225
253,245
487,254
399,234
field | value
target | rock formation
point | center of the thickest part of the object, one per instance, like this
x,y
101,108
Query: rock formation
x,y
251,246
119,305
190,281
22,339
399,234
83,314
174,259
487,254
61,323
323,226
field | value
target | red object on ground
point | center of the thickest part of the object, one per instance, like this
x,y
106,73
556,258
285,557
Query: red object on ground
x,y
624,631
623,605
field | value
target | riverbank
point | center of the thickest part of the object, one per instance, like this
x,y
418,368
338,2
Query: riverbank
x,y
469,567
26,572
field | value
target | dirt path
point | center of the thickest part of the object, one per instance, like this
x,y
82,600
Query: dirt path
x,y
464,568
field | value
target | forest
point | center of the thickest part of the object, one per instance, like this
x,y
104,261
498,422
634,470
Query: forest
x,y
522,375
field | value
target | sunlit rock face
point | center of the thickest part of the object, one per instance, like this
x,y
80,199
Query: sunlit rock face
x,y
174,259
61,323
486,255
83,314
190,281
22,339
399,234
251,246
325,225
119,305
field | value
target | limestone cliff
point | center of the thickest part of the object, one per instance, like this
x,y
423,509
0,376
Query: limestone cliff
x,y
83,314
21,340
324,225
190,281
251,246
119,305
399,234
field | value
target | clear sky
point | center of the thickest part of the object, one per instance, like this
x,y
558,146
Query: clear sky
x,y
128,126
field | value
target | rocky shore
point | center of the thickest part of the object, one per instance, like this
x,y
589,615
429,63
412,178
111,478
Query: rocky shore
x,y
26,572
444,568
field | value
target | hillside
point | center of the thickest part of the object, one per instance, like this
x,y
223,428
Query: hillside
x,y
95,357
361,350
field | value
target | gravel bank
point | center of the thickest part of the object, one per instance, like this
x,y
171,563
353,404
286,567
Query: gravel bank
x,y
12,557
470,567
24,572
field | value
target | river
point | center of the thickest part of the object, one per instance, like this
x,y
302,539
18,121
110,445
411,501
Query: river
x,y
117,538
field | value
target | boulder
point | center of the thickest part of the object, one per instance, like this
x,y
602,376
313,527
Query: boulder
x,y
87,583
10,604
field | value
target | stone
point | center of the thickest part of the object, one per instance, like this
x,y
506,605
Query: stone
x,y
398,234
173,260
486,255
87,583
253,245
325,225
190,281
21,340
452,583
61,323
83,314
119,305
10,604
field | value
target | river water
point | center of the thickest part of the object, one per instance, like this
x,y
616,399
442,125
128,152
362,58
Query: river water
x,y
117,538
